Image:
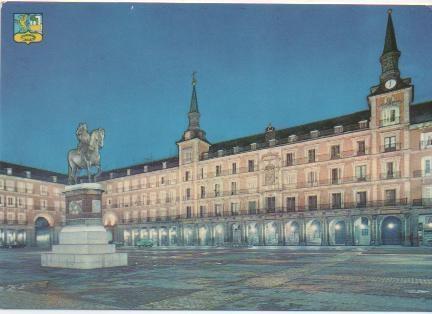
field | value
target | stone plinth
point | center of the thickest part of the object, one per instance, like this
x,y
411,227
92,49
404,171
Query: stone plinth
x,y
83,242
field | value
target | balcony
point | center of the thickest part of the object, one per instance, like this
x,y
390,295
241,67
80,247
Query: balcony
x,y
389,122
390,148
390,175
426,144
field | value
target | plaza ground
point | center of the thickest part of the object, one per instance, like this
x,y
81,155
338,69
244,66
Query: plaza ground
x,y
262,278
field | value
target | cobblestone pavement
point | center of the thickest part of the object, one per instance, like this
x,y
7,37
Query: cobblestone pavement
x,y
278,278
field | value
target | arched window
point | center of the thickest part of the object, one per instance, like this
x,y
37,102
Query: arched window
x,y
390,115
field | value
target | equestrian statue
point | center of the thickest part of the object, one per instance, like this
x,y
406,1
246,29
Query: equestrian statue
x,y
87,154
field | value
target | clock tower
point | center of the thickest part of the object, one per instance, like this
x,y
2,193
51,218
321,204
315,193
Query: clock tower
x,y
389,101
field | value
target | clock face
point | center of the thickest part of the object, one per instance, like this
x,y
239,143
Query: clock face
x,y
390,84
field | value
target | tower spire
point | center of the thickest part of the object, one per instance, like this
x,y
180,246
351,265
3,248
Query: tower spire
x,y
390,55
193,130
390,39
194,101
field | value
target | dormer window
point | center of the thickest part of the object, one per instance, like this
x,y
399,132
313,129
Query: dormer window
x,y
338,129
363,124
145,168
253,146
314,133
236,149
164,165
54,179
128,172
220,152
9,171
272,142
292,138
28,174
111,175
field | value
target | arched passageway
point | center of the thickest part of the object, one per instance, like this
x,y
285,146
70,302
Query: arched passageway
x,y
292,233
43,232
252,233
391,231
313,232
362,231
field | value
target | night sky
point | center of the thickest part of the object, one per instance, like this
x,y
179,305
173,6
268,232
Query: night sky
x,y
127,68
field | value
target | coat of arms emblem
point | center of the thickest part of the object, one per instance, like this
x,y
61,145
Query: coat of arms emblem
x,y
28,28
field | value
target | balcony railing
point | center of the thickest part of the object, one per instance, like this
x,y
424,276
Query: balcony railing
x,y
391,148
281,210
425,144
388,122
390,175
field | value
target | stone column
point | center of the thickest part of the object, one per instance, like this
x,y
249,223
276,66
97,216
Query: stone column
x,y
212,234
283,226
373,229
302,232
260,227
324,232
414,229
350,231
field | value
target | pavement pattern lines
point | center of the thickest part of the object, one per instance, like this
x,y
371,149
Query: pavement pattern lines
x,y
261,278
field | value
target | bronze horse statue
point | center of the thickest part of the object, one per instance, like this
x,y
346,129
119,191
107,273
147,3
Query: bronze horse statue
x,y
87,154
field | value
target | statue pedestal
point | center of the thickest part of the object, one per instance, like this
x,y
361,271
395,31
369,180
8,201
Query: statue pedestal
x,y
83,242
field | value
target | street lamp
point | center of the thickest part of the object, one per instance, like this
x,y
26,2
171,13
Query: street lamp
x,y
390,225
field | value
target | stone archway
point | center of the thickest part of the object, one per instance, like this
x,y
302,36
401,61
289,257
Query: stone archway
x,y
338,232
173,236
187,236
163,236
362,231
43,231
271,234
292,233
236,233
313,232
391,231
219,234
204,235
252,233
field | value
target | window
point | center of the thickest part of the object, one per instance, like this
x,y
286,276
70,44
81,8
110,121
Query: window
x,y
389,172
335,152
335,176
202,211
188,193
361,173
10,201
390,116
217,189
188,211
218,210
311,155
202,173
235,209
290,204
234,168
289,159
233,188
427,167
361,148
390,197
202,191
43,190
43,204
187,176
390,143
271,204
162,180
251,165
312,202
252,207
218,170
336,200
187,155
426,140
312,178
361,199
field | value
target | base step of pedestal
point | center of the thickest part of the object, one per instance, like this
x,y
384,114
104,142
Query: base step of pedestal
x,y
83,261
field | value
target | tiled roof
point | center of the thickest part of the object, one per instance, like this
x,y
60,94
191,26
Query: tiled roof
x,y
421,112
35,173
304,129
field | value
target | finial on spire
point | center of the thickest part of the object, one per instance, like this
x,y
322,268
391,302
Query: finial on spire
x,y
194,80
389,11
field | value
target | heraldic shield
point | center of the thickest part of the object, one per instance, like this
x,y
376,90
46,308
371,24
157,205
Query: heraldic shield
x,y
28,28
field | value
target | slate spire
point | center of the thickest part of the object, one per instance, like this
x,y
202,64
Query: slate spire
x,y
194,101
390,55
390,39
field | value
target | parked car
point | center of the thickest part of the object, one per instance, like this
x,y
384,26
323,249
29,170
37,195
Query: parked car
x,y
144,243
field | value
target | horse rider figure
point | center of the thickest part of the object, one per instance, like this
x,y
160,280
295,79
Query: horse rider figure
x,y
83,140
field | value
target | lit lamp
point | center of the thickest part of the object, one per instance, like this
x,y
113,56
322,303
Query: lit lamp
x,y
390,225
337,227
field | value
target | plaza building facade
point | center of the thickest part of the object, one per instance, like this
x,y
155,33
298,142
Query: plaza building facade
x,y
360,179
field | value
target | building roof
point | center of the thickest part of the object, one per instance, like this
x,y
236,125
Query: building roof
x,y
301,131
35,173
421,112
